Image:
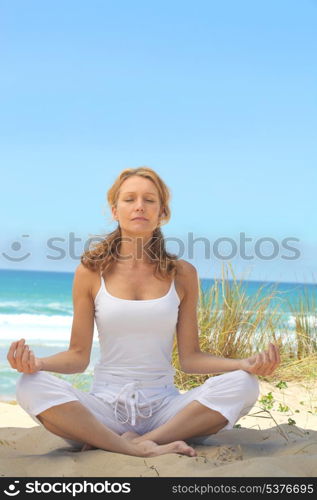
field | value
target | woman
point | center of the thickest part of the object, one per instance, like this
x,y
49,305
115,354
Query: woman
x,y
139,295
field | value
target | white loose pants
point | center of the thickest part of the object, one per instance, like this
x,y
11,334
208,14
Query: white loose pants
x,y
133,407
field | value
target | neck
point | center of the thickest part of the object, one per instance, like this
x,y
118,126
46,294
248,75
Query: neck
x,y
135,251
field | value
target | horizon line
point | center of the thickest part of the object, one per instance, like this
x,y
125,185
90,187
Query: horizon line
x,y
200,277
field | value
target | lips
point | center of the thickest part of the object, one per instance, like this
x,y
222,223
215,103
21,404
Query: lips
x,y
139,218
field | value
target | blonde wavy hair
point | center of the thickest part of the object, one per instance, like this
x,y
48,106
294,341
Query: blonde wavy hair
x,y
105,253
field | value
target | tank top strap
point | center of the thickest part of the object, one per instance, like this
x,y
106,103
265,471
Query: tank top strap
x,y
102,281
174,291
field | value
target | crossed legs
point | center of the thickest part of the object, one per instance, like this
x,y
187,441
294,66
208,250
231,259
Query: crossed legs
x,y
73,421
193,420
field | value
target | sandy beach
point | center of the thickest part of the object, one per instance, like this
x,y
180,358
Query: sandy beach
x,y
275,444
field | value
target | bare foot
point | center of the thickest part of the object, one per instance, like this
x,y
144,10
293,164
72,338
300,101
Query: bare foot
x,y
130,435
151,449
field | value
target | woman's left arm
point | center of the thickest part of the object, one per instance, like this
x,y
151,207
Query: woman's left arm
x,y
191,358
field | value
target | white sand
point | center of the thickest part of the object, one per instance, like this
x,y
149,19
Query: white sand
x,y
262,447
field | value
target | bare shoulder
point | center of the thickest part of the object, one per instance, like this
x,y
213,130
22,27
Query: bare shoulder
x,y
186,269
84,279
187,277
83,273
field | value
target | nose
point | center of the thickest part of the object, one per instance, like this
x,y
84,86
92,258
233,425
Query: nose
x,y
139,205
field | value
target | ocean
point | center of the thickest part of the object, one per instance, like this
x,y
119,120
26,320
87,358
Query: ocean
x,y
37,306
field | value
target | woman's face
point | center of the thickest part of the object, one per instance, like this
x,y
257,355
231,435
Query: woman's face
x,y
138,197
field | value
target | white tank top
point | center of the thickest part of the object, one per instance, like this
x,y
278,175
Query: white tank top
x,y
136,339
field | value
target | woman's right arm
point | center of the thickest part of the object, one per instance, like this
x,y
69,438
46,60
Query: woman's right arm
x,y
76,358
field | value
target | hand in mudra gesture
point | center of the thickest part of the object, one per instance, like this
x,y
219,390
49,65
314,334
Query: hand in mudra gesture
x,y
263,363
22,359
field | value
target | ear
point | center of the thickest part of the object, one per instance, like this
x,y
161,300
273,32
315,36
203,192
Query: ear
x,y
114,213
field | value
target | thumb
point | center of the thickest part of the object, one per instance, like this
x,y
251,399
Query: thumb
x,y
252,359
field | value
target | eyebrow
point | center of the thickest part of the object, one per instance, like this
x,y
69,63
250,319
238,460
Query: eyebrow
x,y
133,192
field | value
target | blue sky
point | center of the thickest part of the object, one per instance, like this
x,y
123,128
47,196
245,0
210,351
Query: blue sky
x,y
218,97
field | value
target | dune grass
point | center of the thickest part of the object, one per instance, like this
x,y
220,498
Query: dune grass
x,y
305,324
234,325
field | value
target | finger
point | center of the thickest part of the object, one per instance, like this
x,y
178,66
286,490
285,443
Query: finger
x,y
277,353
266,363
271,362
254,360
10,355
31,368
259,361
18,354
275,359
25,359
266,357
29,362
32,361
274,352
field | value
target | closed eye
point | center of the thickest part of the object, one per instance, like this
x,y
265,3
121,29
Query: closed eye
x,y
151,201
